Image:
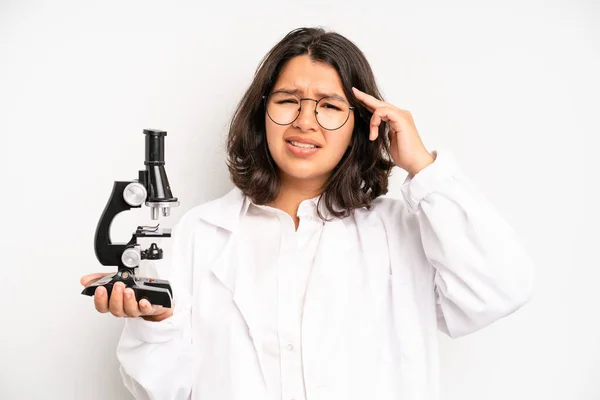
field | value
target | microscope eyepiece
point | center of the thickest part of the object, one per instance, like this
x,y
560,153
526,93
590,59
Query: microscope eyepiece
x,y
157,183
155,147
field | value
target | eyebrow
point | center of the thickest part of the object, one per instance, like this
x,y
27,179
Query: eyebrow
x,y
318,93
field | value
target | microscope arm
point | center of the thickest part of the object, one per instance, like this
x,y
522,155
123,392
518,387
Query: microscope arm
x,y
107,252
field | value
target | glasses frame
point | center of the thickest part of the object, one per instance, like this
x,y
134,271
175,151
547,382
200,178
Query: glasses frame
x,y
350,109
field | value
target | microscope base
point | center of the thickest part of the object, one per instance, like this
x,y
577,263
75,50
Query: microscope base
x,y
156,291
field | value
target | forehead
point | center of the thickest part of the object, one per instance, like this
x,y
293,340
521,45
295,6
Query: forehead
x,y
309,77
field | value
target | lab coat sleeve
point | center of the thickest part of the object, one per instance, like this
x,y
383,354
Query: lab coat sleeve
x,y
482,272
156,357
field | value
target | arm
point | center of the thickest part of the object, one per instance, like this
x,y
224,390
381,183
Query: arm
x,y
156,356
482,273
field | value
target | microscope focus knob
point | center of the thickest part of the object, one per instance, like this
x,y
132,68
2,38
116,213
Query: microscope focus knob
x,y
135,194
131,257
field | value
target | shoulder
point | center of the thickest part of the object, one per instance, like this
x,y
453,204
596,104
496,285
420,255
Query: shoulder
x,y
383,208
392,215
222,211
389,205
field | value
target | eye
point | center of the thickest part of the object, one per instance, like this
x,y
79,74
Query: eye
x,y
288,101
331,107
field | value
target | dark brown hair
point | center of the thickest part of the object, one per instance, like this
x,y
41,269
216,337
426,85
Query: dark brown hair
x,y
362,173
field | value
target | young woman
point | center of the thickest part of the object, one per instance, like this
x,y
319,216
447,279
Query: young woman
x,y
303,282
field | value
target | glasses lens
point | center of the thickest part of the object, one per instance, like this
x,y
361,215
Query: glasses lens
x,y
332,112
283,107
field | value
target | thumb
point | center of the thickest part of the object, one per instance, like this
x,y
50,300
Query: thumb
x,y
87,280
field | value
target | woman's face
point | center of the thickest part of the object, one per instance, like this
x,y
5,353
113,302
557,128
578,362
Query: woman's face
x,y
314,80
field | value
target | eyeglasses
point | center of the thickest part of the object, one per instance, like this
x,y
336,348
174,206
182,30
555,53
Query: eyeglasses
x,y
331,112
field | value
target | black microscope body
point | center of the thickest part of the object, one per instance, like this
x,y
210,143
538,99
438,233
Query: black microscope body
x,y
151,188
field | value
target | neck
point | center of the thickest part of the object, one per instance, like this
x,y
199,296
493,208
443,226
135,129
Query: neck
x,y
293,191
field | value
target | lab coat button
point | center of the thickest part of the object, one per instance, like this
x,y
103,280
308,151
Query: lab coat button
x,y
290,347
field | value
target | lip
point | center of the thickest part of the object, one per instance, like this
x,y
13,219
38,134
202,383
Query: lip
x,y
297,151
302,140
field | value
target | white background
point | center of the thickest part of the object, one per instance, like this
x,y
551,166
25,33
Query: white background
x,y
512,89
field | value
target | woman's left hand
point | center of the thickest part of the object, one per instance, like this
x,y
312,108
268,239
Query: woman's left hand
x,y
406,146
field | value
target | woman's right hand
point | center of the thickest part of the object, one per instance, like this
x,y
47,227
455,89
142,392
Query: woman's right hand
x,y
122,302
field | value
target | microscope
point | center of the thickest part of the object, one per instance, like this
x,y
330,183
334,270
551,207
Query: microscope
x,y
152,189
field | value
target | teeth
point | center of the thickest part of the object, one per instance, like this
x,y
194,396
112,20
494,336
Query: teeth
x,y
303,145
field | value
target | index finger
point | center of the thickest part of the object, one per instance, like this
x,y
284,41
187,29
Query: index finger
x,y
369,101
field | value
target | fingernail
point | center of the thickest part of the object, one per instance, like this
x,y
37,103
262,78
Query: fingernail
x,y
128,294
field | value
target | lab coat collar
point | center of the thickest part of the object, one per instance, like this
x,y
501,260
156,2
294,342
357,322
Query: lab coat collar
x,y
227,211
308,208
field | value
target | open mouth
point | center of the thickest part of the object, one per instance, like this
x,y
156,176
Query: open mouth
x,y
300,145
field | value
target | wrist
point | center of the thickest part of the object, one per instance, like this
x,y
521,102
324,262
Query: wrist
x,y
421,164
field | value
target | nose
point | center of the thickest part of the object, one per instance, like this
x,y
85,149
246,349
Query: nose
x,y
307,119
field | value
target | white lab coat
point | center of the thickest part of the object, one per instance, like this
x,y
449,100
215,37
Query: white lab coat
x,y
439,258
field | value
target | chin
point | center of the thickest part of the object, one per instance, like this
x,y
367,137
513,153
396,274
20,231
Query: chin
x,y
308,174
316,168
